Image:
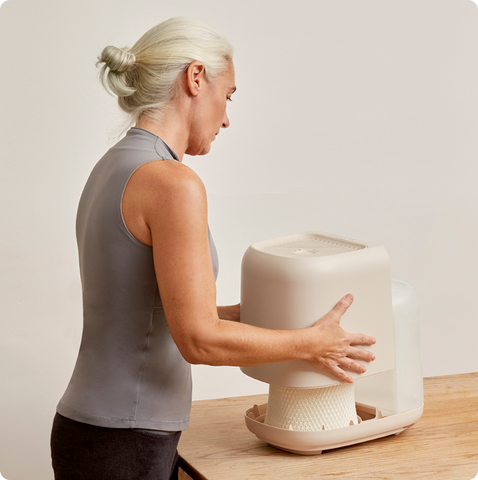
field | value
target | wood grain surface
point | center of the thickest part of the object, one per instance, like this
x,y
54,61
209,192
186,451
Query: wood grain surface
x,y
442,445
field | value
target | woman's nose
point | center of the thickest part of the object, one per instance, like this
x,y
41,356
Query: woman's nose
x,y
225,121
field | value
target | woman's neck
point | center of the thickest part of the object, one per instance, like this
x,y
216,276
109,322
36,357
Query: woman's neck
x,y
171,130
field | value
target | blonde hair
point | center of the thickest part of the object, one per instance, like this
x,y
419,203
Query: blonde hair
x,y
145,77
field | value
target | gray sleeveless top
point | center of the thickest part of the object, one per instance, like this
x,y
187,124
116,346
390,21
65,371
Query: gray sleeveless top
x,y
129,372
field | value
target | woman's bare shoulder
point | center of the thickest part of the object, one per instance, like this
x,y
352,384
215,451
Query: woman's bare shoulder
x,y
162,193
167,178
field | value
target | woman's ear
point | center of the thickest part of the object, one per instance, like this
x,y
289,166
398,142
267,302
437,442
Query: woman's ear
x,y
195,77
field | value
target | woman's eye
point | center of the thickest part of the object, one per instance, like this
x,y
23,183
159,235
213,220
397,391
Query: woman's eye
x,y
229,99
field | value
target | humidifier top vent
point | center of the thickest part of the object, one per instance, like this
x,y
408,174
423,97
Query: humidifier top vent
x,y
307,245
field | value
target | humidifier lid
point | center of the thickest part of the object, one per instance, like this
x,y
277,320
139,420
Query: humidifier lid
x,y
307,245
283,288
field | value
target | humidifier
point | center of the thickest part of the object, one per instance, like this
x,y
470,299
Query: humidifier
x,y
291,282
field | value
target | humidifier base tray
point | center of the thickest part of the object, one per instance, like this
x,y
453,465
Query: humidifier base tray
x,y
372,424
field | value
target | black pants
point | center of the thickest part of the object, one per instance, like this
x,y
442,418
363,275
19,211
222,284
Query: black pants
x,y
86,452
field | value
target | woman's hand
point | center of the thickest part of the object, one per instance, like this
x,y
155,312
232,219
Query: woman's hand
x,y
335,347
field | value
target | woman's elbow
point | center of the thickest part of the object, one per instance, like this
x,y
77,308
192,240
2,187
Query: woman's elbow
x,y
198,350
192,356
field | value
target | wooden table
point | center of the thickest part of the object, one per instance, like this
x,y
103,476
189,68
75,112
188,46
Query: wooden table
x,y
442,445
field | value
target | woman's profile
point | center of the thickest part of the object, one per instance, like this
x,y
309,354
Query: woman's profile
x,y
148,266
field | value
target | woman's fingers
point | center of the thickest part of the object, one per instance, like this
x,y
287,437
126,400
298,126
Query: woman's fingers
x,y
361,339
339,352
360,354
352,365
348,364
340,374
341,307
336,314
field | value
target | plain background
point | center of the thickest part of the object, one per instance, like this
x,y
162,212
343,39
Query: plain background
x,y
354,117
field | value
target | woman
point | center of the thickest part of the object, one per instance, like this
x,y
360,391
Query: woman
x,y
148,266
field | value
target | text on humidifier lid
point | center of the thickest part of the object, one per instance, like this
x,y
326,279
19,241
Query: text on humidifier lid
x,y
306,245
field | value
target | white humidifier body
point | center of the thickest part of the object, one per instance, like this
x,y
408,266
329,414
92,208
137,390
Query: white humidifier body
x,y
290,283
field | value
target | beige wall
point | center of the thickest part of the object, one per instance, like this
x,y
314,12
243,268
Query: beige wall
x,y
356,117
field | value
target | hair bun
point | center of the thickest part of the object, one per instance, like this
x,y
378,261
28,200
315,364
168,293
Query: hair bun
x,y
117,59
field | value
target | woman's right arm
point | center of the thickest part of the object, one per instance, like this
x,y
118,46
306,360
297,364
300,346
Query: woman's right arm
x,y
169,199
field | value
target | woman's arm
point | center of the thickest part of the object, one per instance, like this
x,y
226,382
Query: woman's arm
x,y
167,202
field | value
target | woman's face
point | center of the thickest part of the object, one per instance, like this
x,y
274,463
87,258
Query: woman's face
x,y
210,114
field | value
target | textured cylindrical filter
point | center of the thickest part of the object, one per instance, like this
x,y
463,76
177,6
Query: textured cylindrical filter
x,y
311,409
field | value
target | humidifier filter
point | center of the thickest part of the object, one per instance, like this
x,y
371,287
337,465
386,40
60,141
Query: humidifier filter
x,y
311,409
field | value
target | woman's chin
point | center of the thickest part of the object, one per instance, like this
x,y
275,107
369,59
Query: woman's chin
x,y
199,150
